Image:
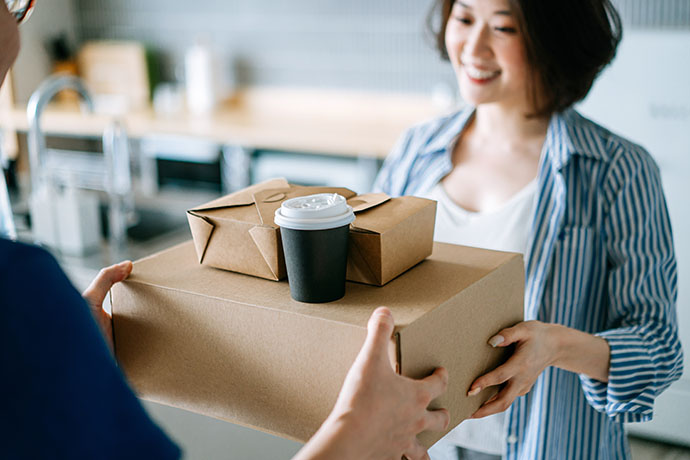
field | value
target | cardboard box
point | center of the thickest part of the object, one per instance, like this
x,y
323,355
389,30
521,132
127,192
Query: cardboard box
x,y
239,348
388,236
237,232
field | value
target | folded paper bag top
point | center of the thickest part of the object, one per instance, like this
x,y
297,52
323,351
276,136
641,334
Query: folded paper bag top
x,y
237,232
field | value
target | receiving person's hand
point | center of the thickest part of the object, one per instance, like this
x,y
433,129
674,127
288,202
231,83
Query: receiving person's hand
x,y
535,350
98,289
379,413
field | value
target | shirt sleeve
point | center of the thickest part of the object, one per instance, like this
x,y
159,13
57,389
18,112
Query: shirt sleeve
x,y
646,355
390,177
61,387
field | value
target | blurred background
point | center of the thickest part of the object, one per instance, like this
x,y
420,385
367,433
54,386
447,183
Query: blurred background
x,y
179,102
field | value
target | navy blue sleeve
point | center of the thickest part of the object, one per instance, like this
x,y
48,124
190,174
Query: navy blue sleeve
x,y
63,396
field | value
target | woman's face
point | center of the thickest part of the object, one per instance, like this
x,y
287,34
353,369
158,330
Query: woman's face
x,y
488,55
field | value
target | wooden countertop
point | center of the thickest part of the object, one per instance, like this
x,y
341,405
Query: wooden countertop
x,y
304,120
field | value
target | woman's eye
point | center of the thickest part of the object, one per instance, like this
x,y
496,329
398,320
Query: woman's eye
x,y
463,20
506,30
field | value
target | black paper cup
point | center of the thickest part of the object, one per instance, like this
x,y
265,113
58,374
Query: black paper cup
x,y
315,230
316,261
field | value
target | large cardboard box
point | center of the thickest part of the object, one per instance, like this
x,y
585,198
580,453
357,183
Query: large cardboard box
x,y
238,348
237,232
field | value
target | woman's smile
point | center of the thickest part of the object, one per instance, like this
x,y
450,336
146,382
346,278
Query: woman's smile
x,y
479,75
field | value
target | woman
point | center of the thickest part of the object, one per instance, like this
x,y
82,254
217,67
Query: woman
x,y
520,170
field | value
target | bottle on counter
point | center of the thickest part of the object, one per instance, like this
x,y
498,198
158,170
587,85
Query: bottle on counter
x,y
199,79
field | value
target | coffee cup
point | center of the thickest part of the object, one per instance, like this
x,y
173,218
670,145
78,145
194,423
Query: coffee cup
x,y
314,231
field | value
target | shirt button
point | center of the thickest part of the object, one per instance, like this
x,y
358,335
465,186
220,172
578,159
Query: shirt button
x,y
512,439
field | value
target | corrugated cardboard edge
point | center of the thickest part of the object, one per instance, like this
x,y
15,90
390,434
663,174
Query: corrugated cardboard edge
x,y
415,364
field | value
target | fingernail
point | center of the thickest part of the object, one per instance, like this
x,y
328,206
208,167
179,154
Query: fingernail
x,y
496,340
384,311
474,392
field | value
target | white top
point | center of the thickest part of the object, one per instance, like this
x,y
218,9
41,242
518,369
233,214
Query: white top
x,y
504,229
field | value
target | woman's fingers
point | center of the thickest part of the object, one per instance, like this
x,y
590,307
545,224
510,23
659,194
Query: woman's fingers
x,y
500,375
510,335
521,363
502,402
491,399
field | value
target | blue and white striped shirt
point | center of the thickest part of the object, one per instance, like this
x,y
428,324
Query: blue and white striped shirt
x,y
600,259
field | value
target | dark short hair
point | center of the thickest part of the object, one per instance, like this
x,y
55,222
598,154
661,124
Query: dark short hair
x,y
568,43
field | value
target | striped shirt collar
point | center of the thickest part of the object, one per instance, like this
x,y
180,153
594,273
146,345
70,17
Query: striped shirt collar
x,y
566,136
443,140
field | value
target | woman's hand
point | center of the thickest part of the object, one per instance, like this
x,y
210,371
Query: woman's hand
x,y
98,289
536,348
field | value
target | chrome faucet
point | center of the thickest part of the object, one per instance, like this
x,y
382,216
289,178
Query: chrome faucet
x,y
45,92
109,172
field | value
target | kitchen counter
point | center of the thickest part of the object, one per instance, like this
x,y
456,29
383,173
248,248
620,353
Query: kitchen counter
x,y
337,122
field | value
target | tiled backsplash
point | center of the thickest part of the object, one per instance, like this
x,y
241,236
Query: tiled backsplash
x,y
658,14
368,44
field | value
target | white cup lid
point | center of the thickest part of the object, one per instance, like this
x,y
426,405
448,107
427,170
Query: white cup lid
x,y
314,212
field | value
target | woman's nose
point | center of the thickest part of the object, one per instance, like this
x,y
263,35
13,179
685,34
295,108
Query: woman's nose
x,y
477,44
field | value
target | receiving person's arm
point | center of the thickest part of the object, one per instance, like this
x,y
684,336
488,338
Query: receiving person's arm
x,y
379,413
64,396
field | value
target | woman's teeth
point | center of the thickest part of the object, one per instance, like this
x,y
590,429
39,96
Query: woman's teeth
x,y
477,74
